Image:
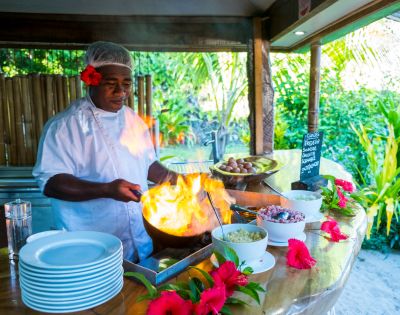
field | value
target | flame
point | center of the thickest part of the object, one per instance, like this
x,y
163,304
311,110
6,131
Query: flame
x,y
184,209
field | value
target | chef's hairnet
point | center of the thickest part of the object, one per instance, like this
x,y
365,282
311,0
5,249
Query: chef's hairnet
x,y
107,53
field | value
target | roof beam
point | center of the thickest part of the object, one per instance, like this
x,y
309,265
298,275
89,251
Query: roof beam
x,y
136,33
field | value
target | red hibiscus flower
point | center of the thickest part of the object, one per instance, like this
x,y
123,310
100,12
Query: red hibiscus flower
x,y
332,228
228,275
90,76
342,198
211,301
347,186
298,255
170,303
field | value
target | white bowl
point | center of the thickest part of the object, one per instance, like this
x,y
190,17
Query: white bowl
x,y
281,231
36,236
245,251
310,208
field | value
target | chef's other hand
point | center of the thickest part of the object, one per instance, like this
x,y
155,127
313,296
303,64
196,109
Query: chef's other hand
x,y
121,190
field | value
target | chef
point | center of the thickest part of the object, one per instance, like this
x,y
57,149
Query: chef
x,y
96,154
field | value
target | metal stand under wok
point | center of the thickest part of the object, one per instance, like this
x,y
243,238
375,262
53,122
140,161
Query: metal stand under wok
x,y
169,262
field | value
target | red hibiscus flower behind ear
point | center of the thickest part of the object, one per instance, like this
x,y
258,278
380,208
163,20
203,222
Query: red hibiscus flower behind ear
x,y
228,275
332,228
347,186
211,301
170,303
298,255
90,76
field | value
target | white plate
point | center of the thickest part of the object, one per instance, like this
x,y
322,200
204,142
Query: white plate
x,y
70,250
69,286
314,218
79,297
300,237
265,263
69,277
72,307
46,273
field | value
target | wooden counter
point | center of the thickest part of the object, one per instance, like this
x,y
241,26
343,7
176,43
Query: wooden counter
x,y
289,291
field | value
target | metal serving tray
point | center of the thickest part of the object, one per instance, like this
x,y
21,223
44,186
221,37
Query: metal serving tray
x,y
150,266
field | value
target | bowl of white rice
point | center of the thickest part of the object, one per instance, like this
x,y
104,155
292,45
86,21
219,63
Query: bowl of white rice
x,y
247,240
308,202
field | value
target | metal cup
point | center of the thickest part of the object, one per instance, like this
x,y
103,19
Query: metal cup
x,y
18,215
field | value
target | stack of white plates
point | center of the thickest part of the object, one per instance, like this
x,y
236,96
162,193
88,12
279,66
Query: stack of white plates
x,y
70,271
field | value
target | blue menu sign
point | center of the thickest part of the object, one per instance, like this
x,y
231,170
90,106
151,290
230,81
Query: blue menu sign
x,y
311,155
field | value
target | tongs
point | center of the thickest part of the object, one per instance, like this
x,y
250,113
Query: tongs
x,y
235,207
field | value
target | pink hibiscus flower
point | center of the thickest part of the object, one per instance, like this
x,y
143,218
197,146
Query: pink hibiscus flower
x,y
211,301
332,228
228,275
342,198
347,186
170,303
298,255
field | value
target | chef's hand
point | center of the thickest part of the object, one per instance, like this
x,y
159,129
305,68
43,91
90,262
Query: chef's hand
x,y
123,190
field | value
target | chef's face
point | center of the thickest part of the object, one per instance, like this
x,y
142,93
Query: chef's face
x,y
114,88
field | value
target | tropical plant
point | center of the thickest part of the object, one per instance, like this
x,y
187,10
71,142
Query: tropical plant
x,y
336,198
173,124
225,80
381,198
390,109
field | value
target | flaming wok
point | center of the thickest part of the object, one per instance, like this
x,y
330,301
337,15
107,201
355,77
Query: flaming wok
x,y
178,216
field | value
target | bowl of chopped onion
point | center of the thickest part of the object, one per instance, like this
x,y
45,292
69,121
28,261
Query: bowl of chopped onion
x,y
249,241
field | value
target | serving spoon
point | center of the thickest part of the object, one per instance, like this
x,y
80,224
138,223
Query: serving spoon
x,y
216,214
235,207
281,215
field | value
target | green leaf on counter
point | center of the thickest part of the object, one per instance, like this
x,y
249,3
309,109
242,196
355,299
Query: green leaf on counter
x,y
206,275
150,288
250,292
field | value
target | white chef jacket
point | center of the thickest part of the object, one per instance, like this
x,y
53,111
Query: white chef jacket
x,y
99,146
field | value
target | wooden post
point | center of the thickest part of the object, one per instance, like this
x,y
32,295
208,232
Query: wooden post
x,y
12,139
72,88
37,105
66,99
262,91
131,100
59,98
37,109
78,84
18,120
313,100
30,144
3,104
148,96
49,96
140,79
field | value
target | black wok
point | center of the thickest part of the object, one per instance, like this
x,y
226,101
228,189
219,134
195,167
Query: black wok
x,y
163,239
